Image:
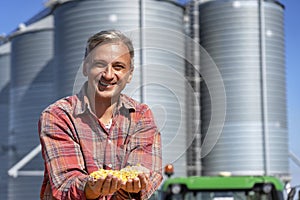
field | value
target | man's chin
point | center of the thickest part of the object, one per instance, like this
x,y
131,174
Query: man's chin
x,y
106,95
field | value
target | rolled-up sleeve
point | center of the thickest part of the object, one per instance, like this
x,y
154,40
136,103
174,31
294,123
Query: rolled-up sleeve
x,y
63,158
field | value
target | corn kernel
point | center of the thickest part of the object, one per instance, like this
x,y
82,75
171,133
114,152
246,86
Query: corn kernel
x,y
124,174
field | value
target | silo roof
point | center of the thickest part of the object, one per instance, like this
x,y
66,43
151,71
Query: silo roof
x,y
43,24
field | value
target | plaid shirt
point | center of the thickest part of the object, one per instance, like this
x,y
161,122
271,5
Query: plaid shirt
x,y
75,143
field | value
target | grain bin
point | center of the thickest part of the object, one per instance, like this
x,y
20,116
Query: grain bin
x,y
4,110
246,41
31,91
156,28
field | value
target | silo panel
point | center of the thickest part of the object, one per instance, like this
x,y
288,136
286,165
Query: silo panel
x,y
4,110
165,61
29,187
230,35
32,90
276,90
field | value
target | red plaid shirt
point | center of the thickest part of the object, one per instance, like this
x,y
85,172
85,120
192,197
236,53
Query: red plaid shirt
x,y
75,143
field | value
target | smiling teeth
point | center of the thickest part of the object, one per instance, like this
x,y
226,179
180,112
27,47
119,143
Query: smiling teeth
x,y
104,84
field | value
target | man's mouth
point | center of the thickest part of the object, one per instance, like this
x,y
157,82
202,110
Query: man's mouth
x,y
104,84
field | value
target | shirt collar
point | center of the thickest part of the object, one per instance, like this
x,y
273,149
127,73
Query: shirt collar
x,y
83,104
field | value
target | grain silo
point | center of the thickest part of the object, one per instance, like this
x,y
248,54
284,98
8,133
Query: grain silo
x,y
4,110
156,28
245,39
31,91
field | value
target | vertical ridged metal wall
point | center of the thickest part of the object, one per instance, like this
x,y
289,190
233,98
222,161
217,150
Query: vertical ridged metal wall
x,y
4,113
276,108
247,45
31,91
192,74
162,58
164,84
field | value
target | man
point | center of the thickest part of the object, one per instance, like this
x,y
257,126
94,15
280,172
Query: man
x,y
100,128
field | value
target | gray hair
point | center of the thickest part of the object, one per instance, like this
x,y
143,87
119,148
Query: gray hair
x,y
109,36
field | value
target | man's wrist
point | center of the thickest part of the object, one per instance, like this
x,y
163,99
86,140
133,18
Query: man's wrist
x,y
90,192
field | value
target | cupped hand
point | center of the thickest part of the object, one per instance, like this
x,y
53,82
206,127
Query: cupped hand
x,y
102,186
137,184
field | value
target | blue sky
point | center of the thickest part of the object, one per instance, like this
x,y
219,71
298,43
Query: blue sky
x,y
292,31
14,12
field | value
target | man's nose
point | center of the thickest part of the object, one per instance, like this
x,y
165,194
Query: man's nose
x,y
108,72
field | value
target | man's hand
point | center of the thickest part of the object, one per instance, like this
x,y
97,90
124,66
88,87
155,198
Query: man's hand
x,y
102,187
137,184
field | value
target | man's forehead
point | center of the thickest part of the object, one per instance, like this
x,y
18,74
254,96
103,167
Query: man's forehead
x,y
107,49
110,52
112,49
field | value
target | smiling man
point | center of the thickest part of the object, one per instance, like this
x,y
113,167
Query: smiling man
x,y
100,128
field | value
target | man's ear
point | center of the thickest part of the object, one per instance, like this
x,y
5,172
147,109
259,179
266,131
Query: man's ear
x,y
85,68
130,75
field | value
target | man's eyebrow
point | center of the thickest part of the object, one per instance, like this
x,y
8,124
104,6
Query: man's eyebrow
x,y
119,63
99,61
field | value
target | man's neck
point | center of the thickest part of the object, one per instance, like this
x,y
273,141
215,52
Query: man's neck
x,y
104,112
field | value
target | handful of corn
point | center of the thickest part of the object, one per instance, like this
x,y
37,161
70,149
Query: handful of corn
x,y
124,174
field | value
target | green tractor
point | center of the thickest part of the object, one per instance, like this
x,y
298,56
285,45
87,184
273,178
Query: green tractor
x,y
224,187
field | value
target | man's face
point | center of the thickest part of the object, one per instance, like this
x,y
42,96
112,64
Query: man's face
x,y
108,68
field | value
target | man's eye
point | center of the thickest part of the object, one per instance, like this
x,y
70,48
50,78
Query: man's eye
x,y
119,67
100,65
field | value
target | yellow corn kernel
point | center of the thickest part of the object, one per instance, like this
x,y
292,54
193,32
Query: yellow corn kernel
x,y
124,174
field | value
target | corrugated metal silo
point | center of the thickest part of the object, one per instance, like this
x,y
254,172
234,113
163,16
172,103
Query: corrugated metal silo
x,y
246,41
31,91
275,92
4,110
162,42
164,84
